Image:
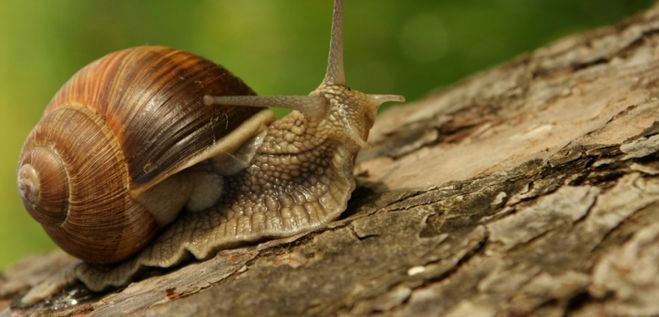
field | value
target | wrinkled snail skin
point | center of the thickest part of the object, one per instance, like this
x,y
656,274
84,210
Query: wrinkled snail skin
x,y
112,137
253,179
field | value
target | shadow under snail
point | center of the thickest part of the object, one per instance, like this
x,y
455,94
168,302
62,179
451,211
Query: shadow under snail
x,y
150,154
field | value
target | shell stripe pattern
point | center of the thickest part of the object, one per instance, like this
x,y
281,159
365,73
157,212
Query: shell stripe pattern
x,y
144,95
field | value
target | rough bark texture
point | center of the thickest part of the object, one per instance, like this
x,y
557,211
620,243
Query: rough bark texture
x,y
529,189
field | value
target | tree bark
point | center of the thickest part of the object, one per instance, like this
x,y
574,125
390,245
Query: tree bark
x,y
528,189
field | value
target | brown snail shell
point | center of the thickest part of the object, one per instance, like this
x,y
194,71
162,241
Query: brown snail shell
x,y
117,128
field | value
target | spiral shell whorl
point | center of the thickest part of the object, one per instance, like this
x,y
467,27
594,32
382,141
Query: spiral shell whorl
x,y
74,181
43,186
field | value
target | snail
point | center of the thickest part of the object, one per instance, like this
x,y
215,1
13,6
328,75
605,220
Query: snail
x,y
151,154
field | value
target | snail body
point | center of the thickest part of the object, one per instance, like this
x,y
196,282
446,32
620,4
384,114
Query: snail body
x,y
251,178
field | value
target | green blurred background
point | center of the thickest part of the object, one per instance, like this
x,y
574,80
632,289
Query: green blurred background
x,y
277,46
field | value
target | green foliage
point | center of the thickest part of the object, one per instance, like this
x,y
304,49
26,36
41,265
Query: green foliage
x,y
277,46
